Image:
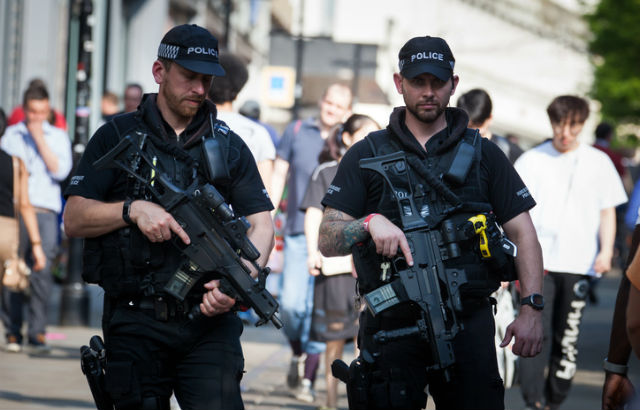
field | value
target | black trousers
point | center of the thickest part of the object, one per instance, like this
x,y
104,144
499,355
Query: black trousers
x,y
475,380
564,295
200,361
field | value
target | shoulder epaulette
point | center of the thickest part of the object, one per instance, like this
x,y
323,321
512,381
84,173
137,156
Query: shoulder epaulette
x,y
220,127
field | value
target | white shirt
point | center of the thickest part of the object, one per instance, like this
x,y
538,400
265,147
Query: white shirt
x,y
570,190
253,134
44,186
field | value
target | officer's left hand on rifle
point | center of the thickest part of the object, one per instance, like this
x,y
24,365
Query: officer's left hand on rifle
x,y
215,302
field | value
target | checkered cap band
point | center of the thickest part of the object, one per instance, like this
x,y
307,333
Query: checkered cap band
x,y
168,51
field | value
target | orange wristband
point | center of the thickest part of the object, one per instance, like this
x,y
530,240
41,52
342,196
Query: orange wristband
x,y
365,224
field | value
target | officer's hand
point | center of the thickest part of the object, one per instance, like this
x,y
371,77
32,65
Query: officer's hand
x,y
214,302
156,223
527,330
388,237
616,392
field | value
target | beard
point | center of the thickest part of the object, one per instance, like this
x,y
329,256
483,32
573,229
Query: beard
x,y
425,116
176,104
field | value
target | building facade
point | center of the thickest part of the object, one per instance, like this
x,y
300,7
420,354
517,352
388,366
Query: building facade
x,y
523,52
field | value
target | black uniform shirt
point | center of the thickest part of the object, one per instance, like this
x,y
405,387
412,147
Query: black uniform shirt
x,y
245,193
357,192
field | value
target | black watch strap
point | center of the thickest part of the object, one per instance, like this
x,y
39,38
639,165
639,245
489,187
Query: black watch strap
x,y
535,300
126,210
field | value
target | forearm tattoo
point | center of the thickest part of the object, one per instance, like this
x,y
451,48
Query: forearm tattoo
x,y
338,232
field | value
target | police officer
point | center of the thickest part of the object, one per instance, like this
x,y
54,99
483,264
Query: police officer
x,y
153,348
361,209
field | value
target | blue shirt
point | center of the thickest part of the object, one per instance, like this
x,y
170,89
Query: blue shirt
x,y
44,186
300,146
631,215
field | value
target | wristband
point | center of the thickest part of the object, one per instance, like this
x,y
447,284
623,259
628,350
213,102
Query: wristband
x,y
34,243
365,224
126,209
615,368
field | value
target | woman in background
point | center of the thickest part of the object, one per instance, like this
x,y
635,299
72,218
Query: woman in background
x,y
28,216
335,318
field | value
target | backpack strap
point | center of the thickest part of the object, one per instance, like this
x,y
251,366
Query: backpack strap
x,y
296,127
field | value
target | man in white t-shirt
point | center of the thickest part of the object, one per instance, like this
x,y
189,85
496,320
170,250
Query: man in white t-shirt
x,y
223,93
577,189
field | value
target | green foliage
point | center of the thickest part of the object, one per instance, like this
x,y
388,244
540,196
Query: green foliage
x,y
615,25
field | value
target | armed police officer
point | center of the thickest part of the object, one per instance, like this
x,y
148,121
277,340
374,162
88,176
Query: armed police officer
x,y
154,347
426,190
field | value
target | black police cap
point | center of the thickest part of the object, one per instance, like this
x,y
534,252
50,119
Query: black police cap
x,y
426,55
193,48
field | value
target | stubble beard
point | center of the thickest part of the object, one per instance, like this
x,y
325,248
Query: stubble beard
x,y
427,117
175,104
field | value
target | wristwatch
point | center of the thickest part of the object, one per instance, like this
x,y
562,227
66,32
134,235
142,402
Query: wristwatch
x,y
535,300
621,369
126,209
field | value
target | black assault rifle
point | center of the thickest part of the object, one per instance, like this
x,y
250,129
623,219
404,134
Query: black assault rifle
x,y
427,284
218,238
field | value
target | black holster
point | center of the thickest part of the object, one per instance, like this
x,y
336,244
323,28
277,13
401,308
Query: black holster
x,y
93,360
357,381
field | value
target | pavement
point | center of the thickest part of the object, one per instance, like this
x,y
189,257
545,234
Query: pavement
x,y
55,381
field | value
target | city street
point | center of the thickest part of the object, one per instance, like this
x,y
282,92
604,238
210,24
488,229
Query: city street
x,y
55,381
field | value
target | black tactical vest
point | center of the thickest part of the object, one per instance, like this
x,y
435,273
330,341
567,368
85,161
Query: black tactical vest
x,y
124,262
441,193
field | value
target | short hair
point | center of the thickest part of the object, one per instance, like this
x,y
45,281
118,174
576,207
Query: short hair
x,y
225,89
111,97
334,147
3,122
138,86
37,82
251,109
568,108
341,86
35,91
604,131
477,104
166,63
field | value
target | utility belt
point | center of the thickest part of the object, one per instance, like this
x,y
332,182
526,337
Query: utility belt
x,y
163,308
